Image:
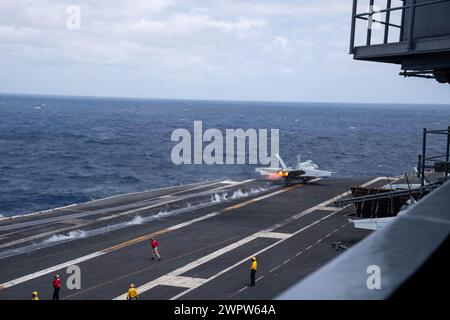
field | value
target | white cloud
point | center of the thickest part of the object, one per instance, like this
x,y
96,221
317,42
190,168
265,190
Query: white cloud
x,y
183,24
191,48
287,8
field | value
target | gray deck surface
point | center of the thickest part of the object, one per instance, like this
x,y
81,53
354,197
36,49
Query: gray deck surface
x,y
205,245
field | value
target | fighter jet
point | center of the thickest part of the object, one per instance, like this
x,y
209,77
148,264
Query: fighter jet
x,y
301,171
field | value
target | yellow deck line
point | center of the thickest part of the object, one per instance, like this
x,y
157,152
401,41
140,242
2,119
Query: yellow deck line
x,y
134,241
137,240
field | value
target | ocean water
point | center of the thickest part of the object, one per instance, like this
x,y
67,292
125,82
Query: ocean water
x,y
56,151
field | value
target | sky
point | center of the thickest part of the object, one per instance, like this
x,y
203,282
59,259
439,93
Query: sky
x,y
267,50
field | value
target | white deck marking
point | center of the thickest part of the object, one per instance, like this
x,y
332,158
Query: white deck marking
x,y
112,197
179,281
275,268
83,213
274,235
229,182
228,248
63,218
195,263
216,254
50,270
97,200
90,256
211,256
175,281
187,282
164,280
329,208
248,258
101,252
60,230
254,200
187,223
168,196
290,259
162,203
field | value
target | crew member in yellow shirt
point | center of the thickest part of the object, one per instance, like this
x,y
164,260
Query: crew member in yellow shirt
x,y
253,268
132,293
34,296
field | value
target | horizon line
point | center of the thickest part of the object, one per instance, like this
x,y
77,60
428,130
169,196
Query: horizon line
x,y
212,100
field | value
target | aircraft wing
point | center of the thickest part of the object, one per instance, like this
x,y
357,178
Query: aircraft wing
x,y
267,171
312,173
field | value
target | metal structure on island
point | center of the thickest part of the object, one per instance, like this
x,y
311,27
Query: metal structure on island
x,y
422,45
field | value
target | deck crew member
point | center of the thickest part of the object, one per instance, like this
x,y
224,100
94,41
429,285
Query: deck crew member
x,y
253,267
56,287
34,296
132,293
155,252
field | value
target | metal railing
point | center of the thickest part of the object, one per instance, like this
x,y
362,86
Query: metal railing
x,y
369,16
439,159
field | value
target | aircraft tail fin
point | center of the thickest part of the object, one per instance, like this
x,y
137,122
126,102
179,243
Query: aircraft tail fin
x,y
298,162
283,165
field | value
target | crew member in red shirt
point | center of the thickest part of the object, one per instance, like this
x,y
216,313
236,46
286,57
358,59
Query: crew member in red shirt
x,y
155,245
56,287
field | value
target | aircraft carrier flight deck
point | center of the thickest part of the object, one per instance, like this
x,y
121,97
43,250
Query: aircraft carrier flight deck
x,y
207,233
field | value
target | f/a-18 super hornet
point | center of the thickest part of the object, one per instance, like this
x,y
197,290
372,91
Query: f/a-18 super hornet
x,y
301,171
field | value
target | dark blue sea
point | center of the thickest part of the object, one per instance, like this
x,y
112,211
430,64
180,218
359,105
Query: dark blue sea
x,y
56,151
